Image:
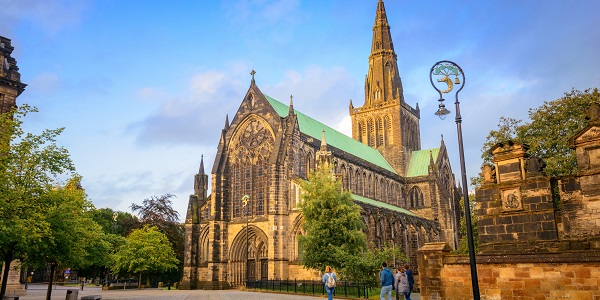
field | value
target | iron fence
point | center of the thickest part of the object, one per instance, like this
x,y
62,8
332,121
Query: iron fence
x,y
310,287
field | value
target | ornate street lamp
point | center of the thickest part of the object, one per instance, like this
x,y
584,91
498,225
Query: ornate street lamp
x,y
245,199
445,70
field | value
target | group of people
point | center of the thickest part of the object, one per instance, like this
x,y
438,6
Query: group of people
x,y
402,282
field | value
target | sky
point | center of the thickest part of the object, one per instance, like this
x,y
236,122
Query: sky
x,y
143,87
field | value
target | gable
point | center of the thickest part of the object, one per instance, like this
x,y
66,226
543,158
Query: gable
x,y
314,128
419,162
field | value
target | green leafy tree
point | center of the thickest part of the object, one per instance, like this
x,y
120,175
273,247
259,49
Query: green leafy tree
x,y
115,222
463,245
332,225
145,250
30,166
547,133
73,240
366,266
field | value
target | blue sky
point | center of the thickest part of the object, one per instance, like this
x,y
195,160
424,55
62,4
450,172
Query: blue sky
x,y
143,87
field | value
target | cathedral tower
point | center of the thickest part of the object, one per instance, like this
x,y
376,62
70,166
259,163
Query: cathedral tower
x,y
385,122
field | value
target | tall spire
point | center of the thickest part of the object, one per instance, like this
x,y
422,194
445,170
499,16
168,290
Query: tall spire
x,y
382,83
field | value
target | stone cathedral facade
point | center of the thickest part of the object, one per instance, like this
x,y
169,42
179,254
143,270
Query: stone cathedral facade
x,y
407,194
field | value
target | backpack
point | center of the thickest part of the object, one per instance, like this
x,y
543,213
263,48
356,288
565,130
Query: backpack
x,y
330,281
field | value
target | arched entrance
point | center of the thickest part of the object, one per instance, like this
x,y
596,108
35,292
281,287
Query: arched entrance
x,y
248,256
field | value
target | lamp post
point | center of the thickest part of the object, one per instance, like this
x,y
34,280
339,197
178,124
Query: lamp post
x,y
444,70
245,199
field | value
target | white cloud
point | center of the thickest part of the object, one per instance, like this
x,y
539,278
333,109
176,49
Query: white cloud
x,y
150,94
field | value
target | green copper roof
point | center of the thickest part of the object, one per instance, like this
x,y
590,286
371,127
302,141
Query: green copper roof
x,y
382,205
419,162
313,128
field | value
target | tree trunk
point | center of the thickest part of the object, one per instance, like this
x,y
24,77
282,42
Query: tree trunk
x,y
51,281
7,260
140,282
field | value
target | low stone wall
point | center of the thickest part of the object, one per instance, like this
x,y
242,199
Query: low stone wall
x,y
548,276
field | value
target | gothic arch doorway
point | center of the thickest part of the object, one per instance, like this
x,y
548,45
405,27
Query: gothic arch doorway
x,y
248,257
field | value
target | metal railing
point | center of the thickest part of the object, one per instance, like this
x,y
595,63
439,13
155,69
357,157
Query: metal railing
x,y
310,287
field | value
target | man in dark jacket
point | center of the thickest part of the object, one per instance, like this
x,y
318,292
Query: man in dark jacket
x,y
387,281
411,280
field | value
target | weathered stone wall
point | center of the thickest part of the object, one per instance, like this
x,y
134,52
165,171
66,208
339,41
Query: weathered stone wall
x,y
549,276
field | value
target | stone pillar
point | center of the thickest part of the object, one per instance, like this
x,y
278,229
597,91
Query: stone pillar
x,y
430,258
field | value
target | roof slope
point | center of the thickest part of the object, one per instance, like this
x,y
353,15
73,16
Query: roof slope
x,y
313,128
419,162
383,205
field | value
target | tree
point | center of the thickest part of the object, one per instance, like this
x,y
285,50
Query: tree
x,y
73,239
463,245
30,166
145,250
332,225
115,222
158,211
548,131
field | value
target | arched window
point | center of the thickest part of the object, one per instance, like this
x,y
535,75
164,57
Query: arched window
x,y
380,133
416,197
372,138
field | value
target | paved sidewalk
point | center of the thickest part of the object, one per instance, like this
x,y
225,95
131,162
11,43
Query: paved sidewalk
x,y
38,292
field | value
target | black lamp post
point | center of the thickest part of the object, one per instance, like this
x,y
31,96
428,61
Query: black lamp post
x,y
245,199
445,70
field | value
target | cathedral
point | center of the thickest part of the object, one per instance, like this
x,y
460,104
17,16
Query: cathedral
x,y
247,227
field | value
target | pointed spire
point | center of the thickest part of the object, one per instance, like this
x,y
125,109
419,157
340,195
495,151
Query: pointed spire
x,y
351,106
431,158
442,144
252,73
291,110
226,122
382,35
323,142
417,107
201,169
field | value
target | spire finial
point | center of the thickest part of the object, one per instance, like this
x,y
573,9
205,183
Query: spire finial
x,y
252,73
291,110
201,169
323,142
226,122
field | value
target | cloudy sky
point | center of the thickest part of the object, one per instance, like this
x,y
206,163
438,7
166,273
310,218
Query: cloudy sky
x,y
143,87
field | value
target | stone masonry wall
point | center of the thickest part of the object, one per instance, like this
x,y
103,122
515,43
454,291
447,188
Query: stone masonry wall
x,y
573,275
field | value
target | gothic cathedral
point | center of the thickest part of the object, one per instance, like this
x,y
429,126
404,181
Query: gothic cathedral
x,y
247,227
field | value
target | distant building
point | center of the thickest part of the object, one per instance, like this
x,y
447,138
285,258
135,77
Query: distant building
x,y
10,78
407,194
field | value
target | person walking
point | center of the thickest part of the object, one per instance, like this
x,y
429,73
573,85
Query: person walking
x,y
387,282
401,283
410,278
330,281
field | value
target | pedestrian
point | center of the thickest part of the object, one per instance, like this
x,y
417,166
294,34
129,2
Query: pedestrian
x,y
387,282
330,281
411,280
401,282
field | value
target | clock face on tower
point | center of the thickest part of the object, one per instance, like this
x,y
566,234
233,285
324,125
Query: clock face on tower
x,y
254,134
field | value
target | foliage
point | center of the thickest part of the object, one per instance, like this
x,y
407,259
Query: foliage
x,y
332,226
463,245
145,250
30,166
159,212
122,225
74,239
548,131
366,266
